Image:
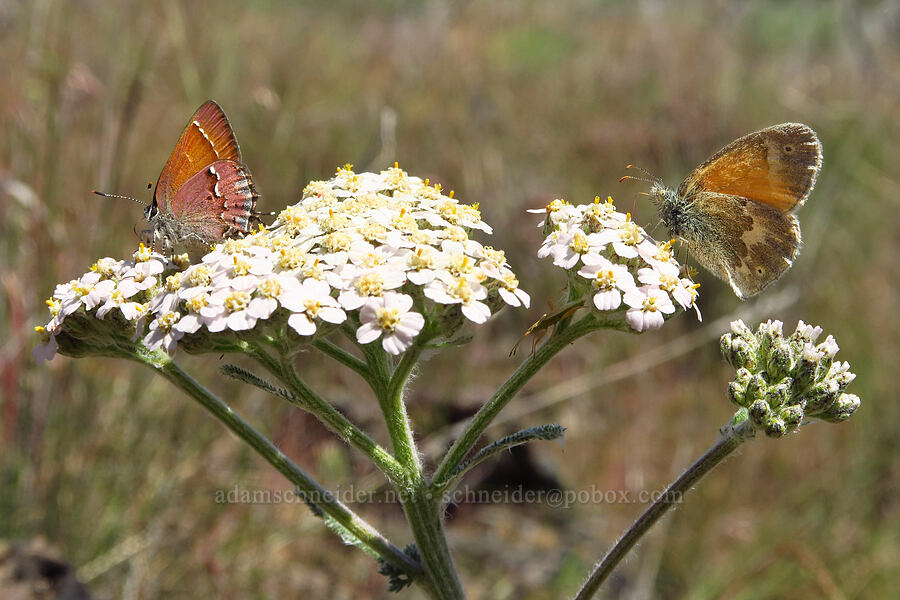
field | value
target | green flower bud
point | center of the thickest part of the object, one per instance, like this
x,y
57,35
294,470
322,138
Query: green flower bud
x,y
840,374
775,427
767,333
806,333
736,393
782,381
806,367
779,359
792,416
725,349
736,351
759,412
756,387
779,394
744,354
739,329
821,396
841,409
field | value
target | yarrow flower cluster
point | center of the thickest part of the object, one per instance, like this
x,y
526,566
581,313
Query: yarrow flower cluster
x,y
385,253
781,380
615,262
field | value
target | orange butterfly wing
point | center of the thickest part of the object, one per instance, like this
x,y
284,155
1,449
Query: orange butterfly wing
x,y
775,166
208,137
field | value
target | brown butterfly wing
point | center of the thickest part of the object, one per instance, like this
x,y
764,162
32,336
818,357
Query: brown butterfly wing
x,y
216,203
748,244
208,137
776,166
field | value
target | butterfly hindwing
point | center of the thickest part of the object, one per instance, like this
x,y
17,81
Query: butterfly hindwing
x,y
776,166
217,202
746,243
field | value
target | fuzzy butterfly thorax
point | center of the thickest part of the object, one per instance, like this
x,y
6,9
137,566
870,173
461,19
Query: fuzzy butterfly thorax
x,y
670,207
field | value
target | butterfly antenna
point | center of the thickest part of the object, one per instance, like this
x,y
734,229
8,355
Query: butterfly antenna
x,y
105,195
652,178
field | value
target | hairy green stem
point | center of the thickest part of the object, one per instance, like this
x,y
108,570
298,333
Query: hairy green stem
x,y
421,508
365,534
394,409
542,432
328,415
732,437
556,342
423,514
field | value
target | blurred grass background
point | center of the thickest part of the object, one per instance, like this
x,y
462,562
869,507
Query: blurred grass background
x,y
510,104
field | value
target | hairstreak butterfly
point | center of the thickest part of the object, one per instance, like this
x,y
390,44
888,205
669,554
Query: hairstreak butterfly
x,y
204,193
733,212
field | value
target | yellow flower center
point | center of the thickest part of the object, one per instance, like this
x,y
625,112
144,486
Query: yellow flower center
x,y
404,222
236,245
82,290
312,307
54,306
143,253
650,304
630,233
579,243
291,258
422,258
668,282
197,302
182,261
372,232
370,284
456,233
168,320
294,218
270,288
102,267
605,279
241,266
418,236
236,301
462,290
371,260
460,264
498,257
200,276
388,318
335,221
556,205
173,282
336,242
314,271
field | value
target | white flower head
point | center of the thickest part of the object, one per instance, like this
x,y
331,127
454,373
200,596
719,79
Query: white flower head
x,y
390,318
310,301
163,333
360,246
648,305
609,280
616,255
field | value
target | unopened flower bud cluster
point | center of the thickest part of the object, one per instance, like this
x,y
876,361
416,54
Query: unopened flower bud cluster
x,y
615,262
782,380
385,253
